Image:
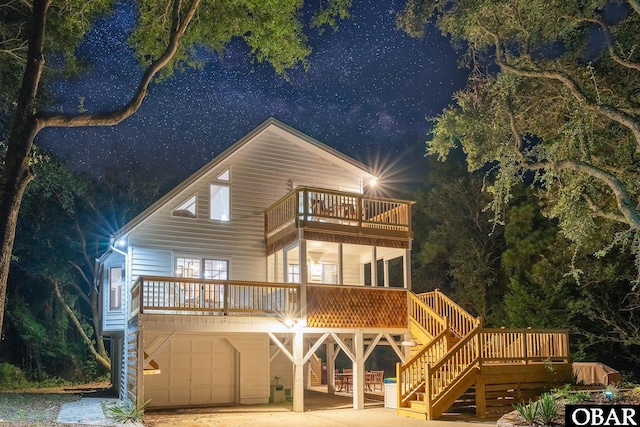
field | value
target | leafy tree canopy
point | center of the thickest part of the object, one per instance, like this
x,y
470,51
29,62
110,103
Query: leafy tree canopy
x,y
553,97
167,33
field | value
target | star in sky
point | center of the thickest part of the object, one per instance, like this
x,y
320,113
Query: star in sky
x,y
366,94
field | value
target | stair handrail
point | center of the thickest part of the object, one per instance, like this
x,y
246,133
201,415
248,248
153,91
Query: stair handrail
x,y
460,321
411,375
432,322
451,368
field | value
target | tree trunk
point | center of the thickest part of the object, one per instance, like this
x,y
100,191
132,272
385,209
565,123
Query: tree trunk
x,y
16,173
102,359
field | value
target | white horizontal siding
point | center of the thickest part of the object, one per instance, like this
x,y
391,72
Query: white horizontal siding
x,y
262,171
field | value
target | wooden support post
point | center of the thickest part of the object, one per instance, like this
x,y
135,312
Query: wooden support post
x,y
481,399
358,371
331,368
298,372
428,388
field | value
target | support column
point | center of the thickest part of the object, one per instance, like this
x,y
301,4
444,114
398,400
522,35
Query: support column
x,y
407,269
331,367
374,267
298,372
340,265
385,279
304,278
358,371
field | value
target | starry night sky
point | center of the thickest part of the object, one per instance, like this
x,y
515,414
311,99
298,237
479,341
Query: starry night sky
x,y
367,93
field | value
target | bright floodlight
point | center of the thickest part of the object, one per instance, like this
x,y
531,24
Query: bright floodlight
x,y
289,322
121,242
373,182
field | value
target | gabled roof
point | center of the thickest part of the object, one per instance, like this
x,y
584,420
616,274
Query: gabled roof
x,y
269,125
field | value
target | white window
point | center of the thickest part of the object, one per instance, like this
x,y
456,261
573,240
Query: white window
x,y
115,288
216,269
294,273
221,198
186,209
201,268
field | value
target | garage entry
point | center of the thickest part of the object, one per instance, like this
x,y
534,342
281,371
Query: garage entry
x,y
195,369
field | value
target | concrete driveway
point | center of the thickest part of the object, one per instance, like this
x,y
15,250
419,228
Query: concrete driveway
x,y
321,410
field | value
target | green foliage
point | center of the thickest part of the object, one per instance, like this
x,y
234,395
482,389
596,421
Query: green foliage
x,y
542,412
528,411
556,111
126,412
456,247
271,29
570,396
12,377
547,408
330,14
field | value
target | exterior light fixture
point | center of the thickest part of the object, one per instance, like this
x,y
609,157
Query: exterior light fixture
x,y
289,322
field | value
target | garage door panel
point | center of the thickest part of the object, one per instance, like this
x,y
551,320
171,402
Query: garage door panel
x,y
180,344
181,360
201,395
180,378
201,345
201,360
195,369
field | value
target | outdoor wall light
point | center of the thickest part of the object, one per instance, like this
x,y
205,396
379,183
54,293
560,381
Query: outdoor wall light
x,y
289,322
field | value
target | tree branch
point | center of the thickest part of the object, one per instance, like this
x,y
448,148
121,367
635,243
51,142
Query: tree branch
x,y
628,211
103,360
178,29
612,113
607,36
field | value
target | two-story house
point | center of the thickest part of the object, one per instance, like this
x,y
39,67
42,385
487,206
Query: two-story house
x,y
278,246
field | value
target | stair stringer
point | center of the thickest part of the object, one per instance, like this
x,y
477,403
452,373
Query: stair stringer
x,y
449,396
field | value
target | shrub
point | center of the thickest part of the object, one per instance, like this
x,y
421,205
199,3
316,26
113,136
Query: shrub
x,y
12,377
126,412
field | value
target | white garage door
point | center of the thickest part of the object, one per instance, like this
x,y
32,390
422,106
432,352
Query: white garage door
x,y
195,370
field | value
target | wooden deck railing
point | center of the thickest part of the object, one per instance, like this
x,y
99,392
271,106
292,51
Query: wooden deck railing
x,y
314,205
461,322
425,316
175,294
411,375
326,306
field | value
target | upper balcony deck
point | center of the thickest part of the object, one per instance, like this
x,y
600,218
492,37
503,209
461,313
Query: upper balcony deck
x,y
337,217
320,306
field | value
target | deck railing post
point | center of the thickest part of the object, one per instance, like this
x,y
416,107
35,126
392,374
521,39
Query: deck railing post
x,y
428,388
227,298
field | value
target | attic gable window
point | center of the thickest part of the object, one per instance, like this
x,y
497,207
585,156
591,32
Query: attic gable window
x,y
220,204
187,209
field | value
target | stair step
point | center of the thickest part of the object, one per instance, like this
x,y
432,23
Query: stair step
x,y
419,405
408,412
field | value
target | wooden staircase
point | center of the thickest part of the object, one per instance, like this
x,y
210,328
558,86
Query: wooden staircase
x,y
454,353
